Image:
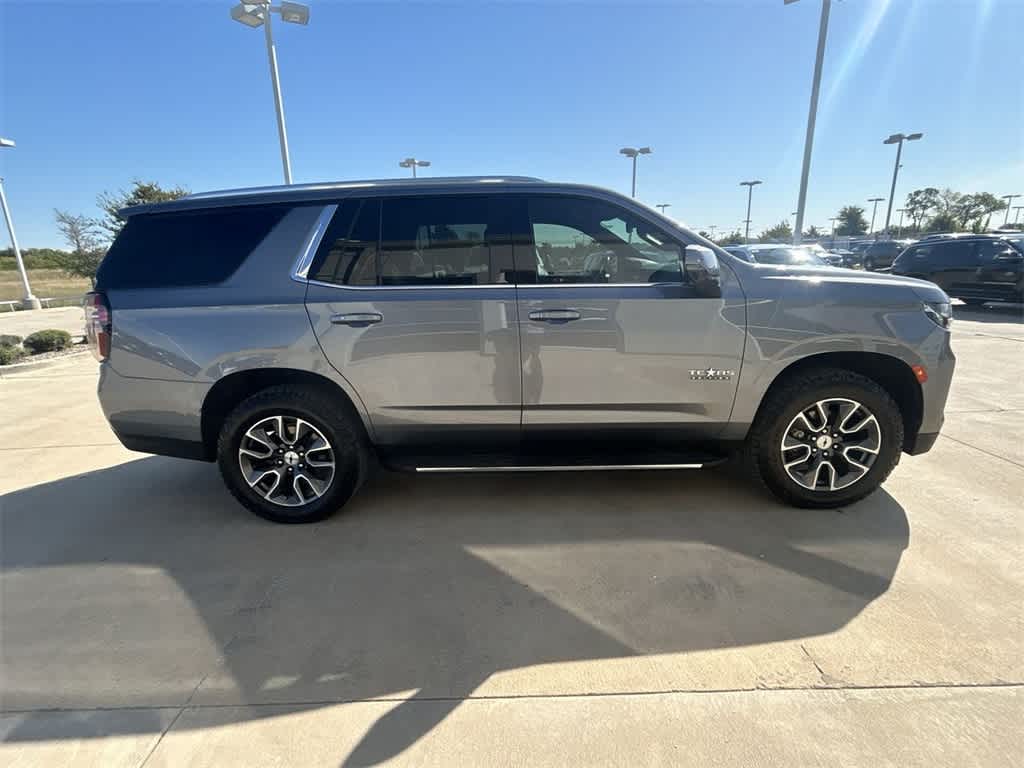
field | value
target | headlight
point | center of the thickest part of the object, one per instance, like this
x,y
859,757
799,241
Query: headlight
x,y
940,312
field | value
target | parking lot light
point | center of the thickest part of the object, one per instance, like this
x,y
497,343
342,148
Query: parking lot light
x,y
897,139
634,153
874,209
28,301
258,14
1009,201
412,162
750,194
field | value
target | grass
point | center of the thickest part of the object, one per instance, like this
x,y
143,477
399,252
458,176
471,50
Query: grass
x,y
46,284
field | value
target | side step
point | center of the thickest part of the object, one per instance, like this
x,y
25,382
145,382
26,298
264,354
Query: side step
x,y
427,464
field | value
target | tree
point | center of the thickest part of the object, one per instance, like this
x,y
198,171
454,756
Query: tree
x,y
141,192
851,221
942,222
972,209
920,203
82,235
705,235
780,233
813,232
733,238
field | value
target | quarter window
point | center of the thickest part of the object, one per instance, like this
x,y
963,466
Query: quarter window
x,y
578,240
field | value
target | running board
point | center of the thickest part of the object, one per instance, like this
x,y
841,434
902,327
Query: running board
x,y
424,463
558,468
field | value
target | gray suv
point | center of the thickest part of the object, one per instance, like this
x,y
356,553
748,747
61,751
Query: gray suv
x,y
301,336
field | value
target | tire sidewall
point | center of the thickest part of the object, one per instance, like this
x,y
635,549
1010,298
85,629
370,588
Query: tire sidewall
x,y
890,424
346,459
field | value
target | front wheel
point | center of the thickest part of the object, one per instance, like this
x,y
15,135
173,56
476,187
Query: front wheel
x,y
291,455
825,438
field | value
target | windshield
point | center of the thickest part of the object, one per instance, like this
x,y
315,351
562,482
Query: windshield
x,y
793,256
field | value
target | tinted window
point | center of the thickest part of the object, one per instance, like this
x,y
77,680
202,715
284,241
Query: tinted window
x,y
577,240
185,248
348,251
987,250
954,254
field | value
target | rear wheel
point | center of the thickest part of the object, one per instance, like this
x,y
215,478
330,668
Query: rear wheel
x,y
291,455
825,438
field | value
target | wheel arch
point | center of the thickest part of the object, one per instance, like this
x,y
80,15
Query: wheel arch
x,y
891,373
232,389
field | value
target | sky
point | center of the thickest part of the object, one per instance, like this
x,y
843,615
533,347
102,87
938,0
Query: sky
x,y
99,94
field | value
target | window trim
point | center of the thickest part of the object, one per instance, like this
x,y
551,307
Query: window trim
x,y
300,270
307,253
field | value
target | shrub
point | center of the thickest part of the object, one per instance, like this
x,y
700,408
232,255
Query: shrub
x,y
49,340
10,355
8,340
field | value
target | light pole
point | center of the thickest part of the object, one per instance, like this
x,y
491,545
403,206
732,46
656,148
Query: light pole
x,y
1016,216
663,206
750,194
834,219
899,228
412,162
28,301
812,113
1009,199
897,139
874,209
712,228
634,153
255,14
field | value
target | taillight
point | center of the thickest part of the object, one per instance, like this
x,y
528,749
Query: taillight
x,y
97,325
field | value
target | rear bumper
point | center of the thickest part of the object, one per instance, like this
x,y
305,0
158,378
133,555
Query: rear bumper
x,y
153,416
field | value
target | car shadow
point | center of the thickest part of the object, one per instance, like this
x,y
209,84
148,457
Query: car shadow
x,y
146,585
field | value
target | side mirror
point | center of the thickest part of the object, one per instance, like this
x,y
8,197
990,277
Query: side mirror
x,y
700,265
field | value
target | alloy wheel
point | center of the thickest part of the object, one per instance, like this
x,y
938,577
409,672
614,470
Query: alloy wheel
x,y
286,460
831,444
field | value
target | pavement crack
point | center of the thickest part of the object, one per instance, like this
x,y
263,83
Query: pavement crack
x,y
976,448
174,720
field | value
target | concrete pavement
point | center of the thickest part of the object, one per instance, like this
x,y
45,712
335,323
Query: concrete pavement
x,y
631,618
68,319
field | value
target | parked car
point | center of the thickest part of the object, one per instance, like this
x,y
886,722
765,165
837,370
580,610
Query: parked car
x,y
882,253
300,336
776,253
848,259
976,268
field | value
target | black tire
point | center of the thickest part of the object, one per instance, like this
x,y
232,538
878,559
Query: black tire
x,y
869,265
795,394
347,440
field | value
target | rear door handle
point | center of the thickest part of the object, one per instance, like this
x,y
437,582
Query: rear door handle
x,y
357,318
555,315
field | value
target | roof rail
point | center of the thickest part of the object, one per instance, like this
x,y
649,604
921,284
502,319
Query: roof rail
x,y
332,185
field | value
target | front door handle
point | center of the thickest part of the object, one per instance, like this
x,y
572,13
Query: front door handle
x,y
555,315
357,318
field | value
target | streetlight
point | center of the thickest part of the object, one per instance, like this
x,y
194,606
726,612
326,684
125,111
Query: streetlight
x,y
1009,199
899,228
255,14
834,219
750,194
28,301
826,6
663,206
1016,216
634,153
874,208
712,228
412,162
897,139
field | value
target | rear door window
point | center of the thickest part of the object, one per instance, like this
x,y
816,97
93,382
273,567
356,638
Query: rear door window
x,y
416,241
186,248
